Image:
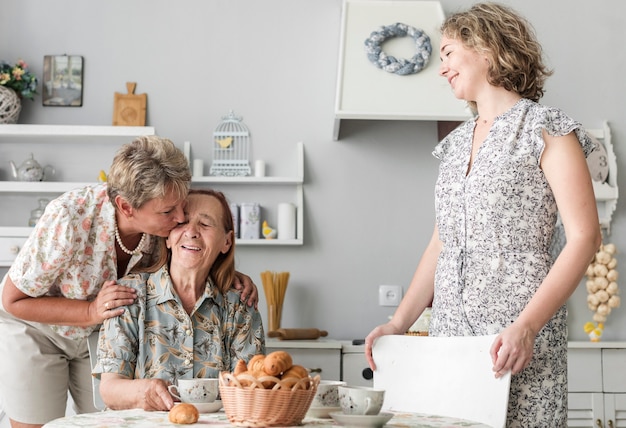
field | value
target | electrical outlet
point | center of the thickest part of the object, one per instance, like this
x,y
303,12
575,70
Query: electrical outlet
x,y
389,295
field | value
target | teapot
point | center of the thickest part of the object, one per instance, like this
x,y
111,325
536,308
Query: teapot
x,y
30,170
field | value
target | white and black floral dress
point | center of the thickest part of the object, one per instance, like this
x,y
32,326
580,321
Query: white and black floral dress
x,y
496,223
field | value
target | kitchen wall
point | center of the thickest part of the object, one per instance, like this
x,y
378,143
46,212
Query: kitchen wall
x,y
368,197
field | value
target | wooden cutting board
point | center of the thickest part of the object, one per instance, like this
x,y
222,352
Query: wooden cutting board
x,y
129,109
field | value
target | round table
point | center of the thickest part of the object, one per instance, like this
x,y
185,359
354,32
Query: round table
x,y
137,418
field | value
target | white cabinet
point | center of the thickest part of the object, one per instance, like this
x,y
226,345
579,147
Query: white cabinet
x,y
321,357
597,385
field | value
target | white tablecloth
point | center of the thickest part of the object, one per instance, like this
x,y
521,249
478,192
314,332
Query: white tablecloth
x,y
137,418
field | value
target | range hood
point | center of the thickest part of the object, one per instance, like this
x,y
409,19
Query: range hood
x,y
367,92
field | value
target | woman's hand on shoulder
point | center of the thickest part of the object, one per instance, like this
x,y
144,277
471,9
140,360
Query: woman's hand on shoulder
x,y
248,289
110,301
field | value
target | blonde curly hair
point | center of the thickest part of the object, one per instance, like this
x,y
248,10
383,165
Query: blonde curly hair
x,y
508,40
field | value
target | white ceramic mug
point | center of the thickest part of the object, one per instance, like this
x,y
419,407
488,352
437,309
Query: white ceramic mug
x,y
197,390
327,394
360,400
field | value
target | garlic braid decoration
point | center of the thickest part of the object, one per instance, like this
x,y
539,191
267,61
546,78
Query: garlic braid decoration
x,y
602,289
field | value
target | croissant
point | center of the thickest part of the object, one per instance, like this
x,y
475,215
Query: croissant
x,y
256,363
296,371
277,362
240,367
293,376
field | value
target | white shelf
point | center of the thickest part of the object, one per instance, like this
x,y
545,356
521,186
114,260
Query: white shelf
x,y
297,181
248,180
61,186
51,139
270,242
17,232
74,131
53,187
24,232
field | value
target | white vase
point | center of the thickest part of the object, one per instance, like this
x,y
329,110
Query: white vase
x,y
10,105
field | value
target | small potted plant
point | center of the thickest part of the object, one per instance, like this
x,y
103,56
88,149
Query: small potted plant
x,y
16,82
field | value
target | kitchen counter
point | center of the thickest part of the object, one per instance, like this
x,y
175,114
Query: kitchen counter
x,y
596,345
346,346
272,343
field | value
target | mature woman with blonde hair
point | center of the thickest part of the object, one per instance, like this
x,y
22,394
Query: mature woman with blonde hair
x,y
62,284
186,321
504,177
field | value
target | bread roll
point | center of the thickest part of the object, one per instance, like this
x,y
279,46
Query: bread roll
x,y
294,375
277,362
184,413
256,363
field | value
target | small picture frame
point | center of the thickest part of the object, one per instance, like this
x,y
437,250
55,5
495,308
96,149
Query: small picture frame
x,y
62,81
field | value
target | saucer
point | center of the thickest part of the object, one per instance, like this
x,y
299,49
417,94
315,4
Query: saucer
x,y
208,407
321,412
374,421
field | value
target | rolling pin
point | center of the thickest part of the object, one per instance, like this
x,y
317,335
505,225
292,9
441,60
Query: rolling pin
x,y
297,333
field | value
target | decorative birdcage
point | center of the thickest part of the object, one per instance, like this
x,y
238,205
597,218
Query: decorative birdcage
x,y
231,147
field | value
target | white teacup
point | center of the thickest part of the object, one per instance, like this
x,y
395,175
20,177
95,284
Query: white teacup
x,y
361,400
197,390
327,394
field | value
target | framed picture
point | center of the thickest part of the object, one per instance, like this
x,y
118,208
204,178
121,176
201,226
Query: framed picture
x,y
63,80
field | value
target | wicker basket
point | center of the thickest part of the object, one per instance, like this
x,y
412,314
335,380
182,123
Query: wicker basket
x,y
285,404
10,105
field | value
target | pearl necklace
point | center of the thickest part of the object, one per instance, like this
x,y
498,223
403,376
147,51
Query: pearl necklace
x,y
137,249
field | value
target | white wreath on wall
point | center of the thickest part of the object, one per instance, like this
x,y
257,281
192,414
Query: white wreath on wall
x,y
401,66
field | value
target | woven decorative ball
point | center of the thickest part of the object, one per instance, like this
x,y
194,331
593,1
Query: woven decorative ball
x,y
10,105
252,405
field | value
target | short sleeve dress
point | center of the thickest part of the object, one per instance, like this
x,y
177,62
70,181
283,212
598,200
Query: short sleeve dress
x,y
496,224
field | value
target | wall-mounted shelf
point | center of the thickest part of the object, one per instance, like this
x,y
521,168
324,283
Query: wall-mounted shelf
x,y
235,187
39,187
365,92
69,131
78,153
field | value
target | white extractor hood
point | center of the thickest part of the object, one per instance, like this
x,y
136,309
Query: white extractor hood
x,y
365,91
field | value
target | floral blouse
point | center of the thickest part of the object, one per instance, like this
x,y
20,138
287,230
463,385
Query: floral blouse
x,y
156,338
71,251
496,223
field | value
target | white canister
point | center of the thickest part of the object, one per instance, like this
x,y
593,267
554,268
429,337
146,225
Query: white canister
x,y
198,167
234,210
250,220
259,168
286,221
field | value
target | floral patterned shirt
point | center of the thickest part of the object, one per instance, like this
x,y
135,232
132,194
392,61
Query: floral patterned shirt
x,y
71,251
156,338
